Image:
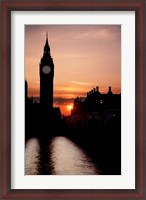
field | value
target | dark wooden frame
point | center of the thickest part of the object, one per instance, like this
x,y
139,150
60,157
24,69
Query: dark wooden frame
x,y
5,96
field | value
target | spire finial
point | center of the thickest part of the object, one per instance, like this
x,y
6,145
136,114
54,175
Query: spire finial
x,y
46,47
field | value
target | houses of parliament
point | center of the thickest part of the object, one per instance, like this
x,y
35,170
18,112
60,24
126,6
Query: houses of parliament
x,y
44,119
94,123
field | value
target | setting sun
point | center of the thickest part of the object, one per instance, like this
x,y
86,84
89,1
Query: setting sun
x,y
70,107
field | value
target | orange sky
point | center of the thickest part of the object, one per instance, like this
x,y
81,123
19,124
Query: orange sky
x,y
85,56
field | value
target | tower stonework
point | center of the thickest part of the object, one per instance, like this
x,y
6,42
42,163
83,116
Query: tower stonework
x,y
46,77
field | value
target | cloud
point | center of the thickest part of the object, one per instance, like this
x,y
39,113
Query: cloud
x,y
75,33
57,100
96,32
62,101
80,83
68,95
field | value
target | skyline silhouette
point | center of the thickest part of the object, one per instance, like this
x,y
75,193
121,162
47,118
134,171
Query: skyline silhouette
x,y
94,126
84,56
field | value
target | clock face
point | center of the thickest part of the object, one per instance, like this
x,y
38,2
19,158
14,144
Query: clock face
x,y
46,69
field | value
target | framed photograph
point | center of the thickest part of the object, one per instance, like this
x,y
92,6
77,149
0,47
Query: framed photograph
x,y
72,99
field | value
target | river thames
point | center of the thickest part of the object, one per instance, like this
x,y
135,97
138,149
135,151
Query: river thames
x,y
58,156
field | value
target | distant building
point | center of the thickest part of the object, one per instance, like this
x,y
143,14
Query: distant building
x,y
26,90
28,100
95,101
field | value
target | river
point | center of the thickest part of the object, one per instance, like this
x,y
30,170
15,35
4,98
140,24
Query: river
x,y
59,156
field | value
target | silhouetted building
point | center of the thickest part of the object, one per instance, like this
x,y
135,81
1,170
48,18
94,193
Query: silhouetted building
x,y
110,91
26,90
95,101
28,100
46,77
41,119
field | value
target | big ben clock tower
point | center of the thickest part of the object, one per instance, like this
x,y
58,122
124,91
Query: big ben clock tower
x,y
46,77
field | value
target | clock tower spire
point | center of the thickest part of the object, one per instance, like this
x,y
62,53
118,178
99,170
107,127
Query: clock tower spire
x,y
46,47
46,77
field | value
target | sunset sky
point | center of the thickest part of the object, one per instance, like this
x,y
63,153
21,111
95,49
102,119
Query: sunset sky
x,y
85,56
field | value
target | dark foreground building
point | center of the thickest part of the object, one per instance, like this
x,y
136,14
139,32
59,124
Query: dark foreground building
x,y
95,124
95,102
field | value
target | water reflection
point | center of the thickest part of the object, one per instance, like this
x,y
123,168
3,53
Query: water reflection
x,y
58,156
68,159
32,157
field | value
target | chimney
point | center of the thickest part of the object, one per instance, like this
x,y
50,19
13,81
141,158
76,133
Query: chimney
x,y
97,90
109,90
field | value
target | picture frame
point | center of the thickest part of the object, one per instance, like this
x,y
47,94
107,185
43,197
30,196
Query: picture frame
x,y
7,6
